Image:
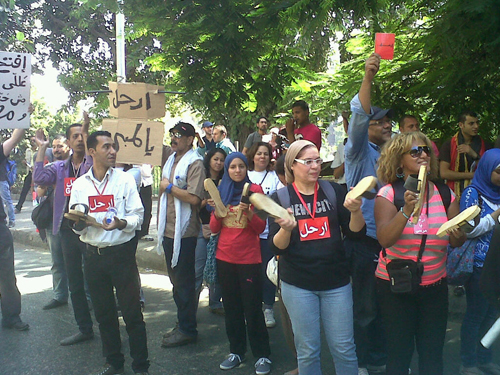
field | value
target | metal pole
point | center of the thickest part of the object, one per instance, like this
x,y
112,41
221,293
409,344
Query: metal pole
x,y
120,44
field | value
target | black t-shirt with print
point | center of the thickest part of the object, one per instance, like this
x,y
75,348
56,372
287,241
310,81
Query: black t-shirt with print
x,y
319,264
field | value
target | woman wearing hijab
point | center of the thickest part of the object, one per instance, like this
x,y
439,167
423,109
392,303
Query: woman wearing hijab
x,y
315,284
480,315
239,268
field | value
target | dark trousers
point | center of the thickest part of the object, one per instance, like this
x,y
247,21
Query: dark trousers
x,y
479,317
268,288
368,329
73,250
241,286
11,298
411,319
117,269
146,194
24,192
182,277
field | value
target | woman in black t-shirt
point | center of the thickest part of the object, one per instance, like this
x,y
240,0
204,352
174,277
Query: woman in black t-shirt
x,y
313,267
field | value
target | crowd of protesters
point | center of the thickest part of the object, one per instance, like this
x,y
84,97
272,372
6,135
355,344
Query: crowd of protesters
x,y
339,277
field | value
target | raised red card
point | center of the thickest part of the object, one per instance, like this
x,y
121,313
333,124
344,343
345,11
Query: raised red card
x,y
384,45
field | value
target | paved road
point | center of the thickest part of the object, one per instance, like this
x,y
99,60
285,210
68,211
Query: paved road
x,y
38,352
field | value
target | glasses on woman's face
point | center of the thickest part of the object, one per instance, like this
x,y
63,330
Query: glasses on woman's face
x,y
416,152
310,162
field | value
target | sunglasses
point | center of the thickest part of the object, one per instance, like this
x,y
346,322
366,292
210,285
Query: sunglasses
x,y
415,152
309,162
176,134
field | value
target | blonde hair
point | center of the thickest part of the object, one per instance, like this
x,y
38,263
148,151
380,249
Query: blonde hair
x,y
393,151
222,129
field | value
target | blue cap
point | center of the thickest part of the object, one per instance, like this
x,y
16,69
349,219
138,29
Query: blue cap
x,y
207,124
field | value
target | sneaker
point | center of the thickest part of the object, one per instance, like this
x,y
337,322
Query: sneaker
x,y
269,318
232,361
12,224
490,368
363,371
470,371
263,366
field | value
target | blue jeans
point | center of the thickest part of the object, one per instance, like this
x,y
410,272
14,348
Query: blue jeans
x,y
478,319
58,269
214,290
7,200
307,310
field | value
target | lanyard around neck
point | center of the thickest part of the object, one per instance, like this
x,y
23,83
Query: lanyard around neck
x,y
104,188
315,200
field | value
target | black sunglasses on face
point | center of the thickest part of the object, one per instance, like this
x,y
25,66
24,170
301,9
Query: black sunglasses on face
x,y
415,152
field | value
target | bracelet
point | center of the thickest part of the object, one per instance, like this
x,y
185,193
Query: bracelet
x,y
405,215
169,188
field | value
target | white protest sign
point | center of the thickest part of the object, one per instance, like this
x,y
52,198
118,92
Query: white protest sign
x,y
137,141
136,100
15,74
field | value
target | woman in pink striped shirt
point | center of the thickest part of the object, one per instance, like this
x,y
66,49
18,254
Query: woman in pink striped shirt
x,y
420,316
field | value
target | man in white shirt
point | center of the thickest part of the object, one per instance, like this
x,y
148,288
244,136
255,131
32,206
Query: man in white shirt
x,y
110,253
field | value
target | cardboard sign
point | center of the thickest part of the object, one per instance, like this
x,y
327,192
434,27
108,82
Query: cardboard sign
x,y
136,100
137,141
384,45
15,74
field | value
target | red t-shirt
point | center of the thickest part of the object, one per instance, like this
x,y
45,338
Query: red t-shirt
x,y
239,241
310,133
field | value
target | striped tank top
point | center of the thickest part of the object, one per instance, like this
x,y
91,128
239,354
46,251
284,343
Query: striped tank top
x,y
408,244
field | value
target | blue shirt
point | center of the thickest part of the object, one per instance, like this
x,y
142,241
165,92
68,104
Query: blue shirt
x,y
361,158
484,229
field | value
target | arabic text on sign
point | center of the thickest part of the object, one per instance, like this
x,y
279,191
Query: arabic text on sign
x,y
101,203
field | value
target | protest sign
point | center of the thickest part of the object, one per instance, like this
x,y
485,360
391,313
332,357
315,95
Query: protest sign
x,y
384,45
15,74
137,141
136,100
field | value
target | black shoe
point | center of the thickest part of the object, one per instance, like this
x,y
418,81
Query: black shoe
x,y
79,337
54,304
177,339
18,326
107,369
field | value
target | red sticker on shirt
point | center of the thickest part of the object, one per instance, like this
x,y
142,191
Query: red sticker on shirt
x,y
101,203
314,229
68,185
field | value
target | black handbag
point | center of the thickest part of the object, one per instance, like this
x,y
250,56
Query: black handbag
x,y
42,214
405,275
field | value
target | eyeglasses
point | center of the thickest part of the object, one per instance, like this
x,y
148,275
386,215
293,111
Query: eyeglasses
x,y
415,152
176,134
309,162
380,123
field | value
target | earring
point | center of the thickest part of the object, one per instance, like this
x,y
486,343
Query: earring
x,y
399,172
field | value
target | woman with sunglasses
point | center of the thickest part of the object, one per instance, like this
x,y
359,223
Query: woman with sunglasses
x,y
421,316
315,284
259,163
239,268
214,169
480,315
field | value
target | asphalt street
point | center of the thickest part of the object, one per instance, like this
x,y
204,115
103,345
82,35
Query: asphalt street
x,y
37,351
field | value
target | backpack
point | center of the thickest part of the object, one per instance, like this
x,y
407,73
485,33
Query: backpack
x,y
11,167
399,193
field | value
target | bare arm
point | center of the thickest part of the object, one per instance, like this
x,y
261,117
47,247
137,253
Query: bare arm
x,y
390,222
282,239
339,171
244,151
457,237
371,68
12,142
85,129
179,193
42,143
448,174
